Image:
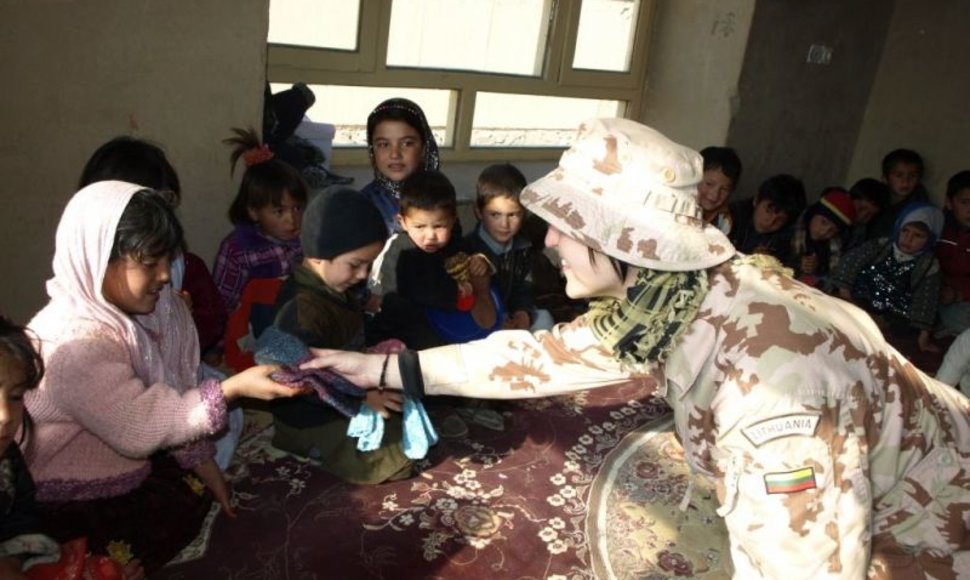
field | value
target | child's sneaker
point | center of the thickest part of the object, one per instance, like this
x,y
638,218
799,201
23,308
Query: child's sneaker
x,y
452,427
479,413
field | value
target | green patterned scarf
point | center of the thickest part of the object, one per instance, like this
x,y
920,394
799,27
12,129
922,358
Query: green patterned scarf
x,y
646,325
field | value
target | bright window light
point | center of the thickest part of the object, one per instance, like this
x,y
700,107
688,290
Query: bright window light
x,y
317,23
606,32
505,120
347,108
490,36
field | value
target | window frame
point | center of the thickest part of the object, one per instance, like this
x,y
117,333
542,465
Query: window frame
x,y
366,67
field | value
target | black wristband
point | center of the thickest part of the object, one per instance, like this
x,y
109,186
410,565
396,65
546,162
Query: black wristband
x,y
409,365
383,381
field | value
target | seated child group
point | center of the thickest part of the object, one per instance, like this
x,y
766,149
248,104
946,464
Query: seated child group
x,y
122,392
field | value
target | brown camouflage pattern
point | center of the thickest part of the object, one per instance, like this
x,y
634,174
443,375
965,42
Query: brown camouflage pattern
x,y
630,192
890,448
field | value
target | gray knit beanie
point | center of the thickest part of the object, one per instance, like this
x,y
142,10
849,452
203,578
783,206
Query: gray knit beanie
x,y
340,220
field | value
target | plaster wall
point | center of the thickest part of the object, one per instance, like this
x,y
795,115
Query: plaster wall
x,y
697,49
79,73
797,117
919,96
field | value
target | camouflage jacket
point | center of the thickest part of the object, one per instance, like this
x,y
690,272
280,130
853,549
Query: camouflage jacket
x,y
833,456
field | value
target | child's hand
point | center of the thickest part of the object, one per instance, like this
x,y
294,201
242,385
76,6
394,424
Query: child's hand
x,y
478,265
373,304
212,477
949,295
186,297
364,370
518,321
809,264
384,402
134,570
11,568
480,273
926,343
254,382
465,288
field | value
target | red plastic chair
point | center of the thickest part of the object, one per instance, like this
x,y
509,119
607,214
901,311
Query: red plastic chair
x,y
257,291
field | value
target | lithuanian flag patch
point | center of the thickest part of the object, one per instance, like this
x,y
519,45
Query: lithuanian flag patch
x,y
790,481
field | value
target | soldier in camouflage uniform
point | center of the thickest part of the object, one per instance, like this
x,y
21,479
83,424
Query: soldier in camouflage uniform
x,y
833,456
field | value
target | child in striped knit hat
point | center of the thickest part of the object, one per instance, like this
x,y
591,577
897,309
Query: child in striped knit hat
x,y
817,242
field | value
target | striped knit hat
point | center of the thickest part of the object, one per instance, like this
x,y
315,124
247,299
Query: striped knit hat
x,y
836,205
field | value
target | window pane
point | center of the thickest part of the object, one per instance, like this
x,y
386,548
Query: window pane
x,y
347,108
494,36
318,23
503,120
605,38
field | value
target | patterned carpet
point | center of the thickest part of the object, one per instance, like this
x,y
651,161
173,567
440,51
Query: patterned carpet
x,y
575,487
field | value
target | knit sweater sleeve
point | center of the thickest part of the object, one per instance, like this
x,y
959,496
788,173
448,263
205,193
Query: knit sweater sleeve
x,y
91,379
194,453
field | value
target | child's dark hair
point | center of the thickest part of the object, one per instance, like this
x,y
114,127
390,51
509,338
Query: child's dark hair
x,y
786,193
897,156
428,190
16,344
957,183
871,190
132,160
148,227
266,179
499,180
397,109
725,159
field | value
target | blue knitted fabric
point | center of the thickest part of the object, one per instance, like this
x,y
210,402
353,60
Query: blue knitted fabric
x,y
277,347
419,433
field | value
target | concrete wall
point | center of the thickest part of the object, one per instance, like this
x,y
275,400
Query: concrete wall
x,y
77,73
801,118
696,52
919,99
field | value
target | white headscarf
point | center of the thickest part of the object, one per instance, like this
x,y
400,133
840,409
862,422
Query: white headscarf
x,y
163,345
924,213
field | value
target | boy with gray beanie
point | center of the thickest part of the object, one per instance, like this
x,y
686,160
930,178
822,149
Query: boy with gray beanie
x,y
342,235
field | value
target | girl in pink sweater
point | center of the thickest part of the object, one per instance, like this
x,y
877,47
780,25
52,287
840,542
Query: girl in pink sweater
x,y
119,450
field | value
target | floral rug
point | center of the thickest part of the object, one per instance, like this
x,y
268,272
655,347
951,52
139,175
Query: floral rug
x,y
509,504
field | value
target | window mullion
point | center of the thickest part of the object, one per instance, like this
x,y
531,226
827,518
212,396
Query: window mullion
x,y
558,39
463,117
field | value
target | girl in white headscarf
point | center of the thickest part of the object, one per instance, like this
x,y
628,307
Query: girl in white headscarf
x,y
898,279
118,396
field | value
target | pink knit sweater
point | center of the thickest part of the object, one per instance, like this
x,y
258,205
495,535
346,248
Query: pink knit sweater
x,y
96,423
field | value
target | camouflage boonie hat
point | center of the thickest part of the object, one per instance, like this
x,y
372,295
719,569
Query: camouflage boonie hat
x,y
627,191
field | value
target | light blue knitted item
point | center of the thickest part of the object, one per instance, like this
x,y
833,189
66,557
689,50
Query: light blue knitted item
x,y
419,434
368,427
